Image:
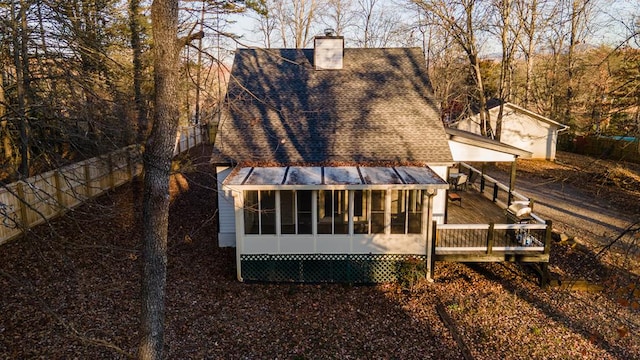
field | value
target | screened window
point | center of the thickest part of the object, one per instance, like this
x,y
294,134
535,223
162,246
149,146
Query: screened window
x,y
295,212
377,211
260,212
406,211
304,199
251,213
333,212
398,212
414,209
361,212
287,212
267,212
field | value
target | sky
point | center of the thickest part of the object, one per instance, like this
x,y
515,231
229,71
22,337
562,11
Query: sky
x,y
608,27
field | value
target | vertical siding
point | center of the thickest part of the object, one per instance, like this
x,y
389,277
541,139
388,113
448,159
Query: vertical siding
x,y
528,134
522,131
226,211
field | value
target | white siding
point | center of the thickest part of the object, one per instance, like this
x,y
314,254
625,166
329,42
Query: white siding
x,y
389,244
527,133
522,131
440,200
226,211
469,153
335,244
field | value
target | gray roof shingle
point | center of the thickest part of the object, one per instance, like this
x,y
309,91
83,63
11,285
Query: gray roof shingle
x,y
378,108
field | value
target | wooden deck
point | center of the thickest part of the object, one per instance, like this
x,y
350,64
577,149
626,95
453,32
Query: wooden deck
x,y
474,208
478,230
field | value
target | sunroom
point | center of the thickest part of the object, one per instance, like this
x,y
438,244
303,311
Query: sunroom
x,y
331,224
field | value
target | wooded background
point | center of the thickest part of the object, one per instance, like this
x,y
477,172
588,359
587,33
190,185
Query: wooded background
x,y
77,75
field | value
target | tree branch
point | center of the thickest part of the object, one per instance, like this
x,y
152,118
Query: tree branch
x,y
186,40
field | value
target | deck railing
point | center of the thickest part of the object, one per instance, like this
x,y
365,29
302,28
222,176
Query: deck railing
x,y
487,238
530,237
492,188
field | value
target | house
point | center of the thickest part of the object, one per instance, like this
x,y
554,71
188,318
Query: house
x,y
331,163
521,128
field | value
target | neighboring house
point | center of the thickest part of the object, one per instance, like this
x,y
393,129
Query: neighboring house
x,y
331,163
521,128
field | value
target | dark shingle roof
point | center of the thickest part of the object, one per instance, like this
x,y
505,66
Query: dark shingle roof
x,y
378,108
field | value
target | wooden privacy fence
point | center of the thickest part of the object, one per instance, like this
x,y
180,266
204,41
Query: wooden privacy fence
x,y
30,202
614,148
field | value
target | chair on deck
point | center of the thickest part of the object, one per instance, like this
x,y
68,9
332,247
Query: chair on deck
x,y
472,178
461,182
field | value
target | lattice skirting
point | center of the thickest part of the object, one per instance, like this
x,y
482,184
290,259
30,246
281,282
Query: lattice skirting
x,y
318,268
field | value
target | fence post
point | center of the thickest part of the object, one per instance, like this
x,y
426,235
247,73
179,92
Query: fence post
x,y
112,180
490,239
188,136
129,167
179,138
495,192
87,178
482,183
22,203
58,184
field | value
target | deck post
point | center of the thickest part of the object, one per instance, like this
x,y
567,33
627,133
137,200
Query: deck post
x,y
431,230
547,237
512,181
490,239
482,178
495,192
431,260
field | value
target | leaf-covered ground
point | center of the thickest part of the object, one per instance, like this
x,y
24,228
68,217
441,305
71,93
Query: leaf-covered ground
x,y
70,289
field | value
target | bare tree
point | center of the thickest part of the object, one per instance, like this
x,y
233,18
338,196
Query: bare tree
x,y
338,15
580,13
367,8
509,35
462,19
21,57
377,25
267,22
295,20
529,20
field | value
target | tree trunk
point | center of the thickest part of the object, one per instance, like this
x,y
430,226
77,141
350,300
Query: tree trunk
x,y
199,69
531,33
505,64
485,125
21,63
157,163
136,46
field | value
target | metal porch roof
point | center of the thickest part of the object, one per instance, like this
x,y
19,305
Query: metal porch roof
x,y
345,177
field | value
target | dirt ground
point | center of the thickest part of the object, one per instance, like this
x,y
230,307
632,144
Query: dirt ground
x,y
70,288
